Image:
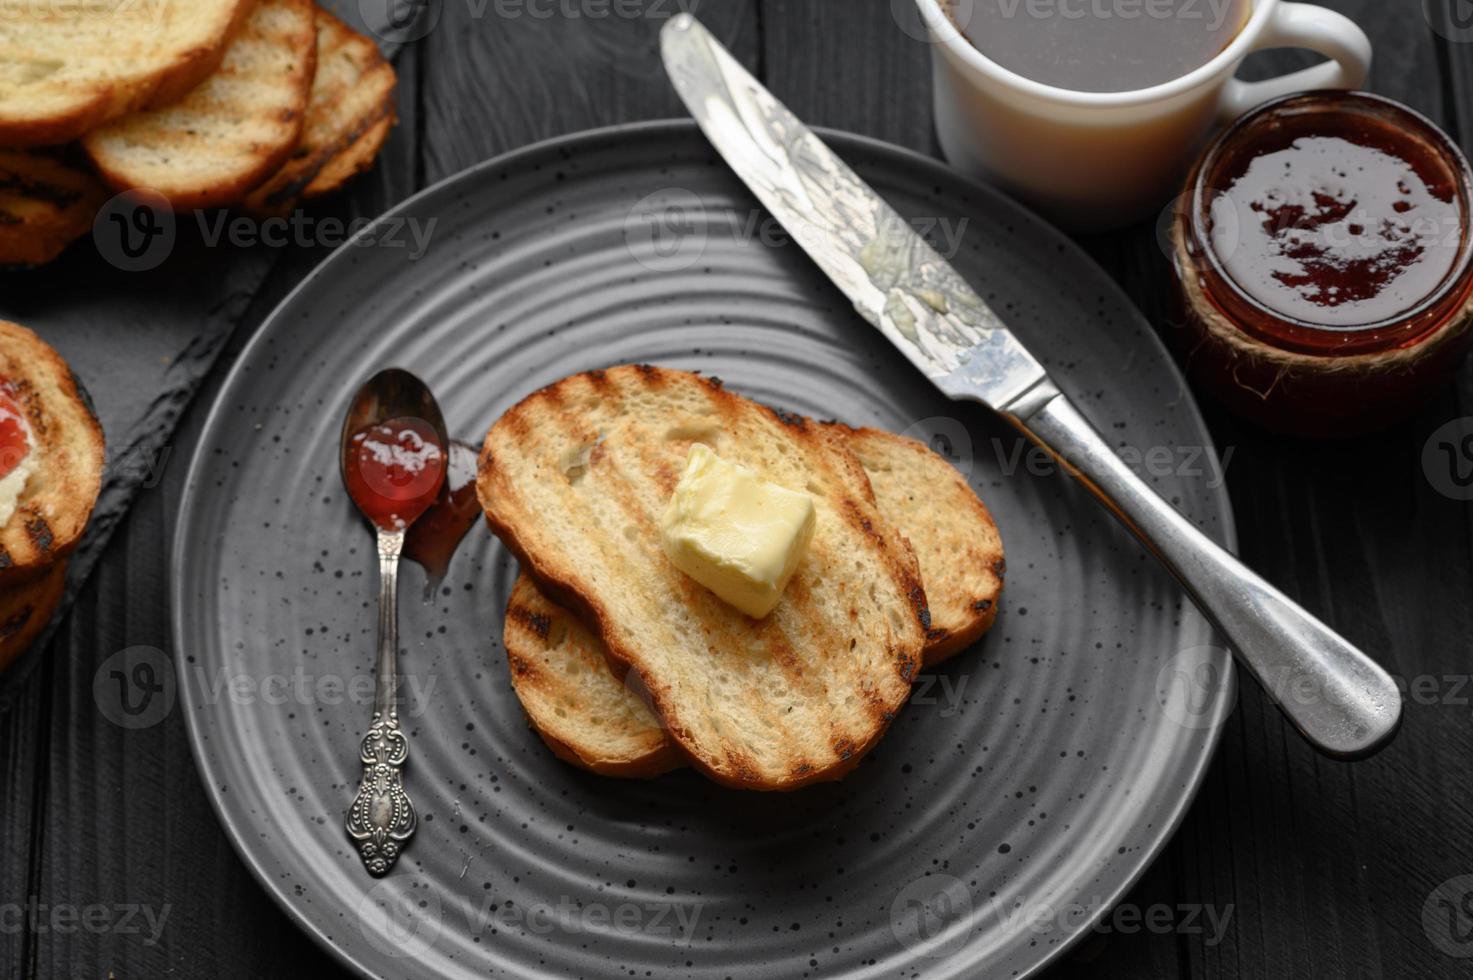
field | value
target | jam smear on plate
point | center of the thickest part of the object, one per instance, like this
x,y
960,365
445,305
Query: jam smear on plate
x,y
433,539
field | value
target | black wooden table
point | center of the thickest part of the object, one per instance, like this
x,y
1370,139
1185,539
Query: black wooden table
x,y
111,863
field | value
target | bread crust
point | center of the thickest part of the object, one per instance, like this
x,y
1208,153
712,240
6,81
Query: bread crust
x,y
45,205
960,549
25,610
57,502
855,707
350,111
536,631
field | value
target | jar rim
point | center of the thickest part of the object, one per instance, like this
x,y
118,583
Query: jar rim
x,y
1457,277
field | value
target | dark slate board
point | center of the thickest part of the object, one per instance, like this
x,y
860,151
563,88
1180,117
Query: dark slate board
x,y
142,341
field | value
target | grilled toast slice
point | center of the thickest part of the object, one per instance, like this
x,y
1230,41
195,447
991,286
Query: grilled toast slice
x,y
231,132
357,157
67,68
954,536
349,113
53,506
45,204
573,479
25,609
561,674
588,718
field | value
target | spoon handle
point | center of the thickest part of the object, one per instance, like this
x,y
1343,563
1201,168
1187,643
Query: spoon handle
x,y
382,818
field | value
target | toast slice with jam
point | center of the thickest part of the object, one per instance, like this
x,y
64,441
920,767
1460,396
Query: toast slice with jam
x,y
574,479
51,457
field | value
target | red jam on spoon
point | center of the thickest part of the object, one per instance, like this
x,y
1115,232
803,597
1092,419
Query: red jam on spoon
x,y
15,438
396,470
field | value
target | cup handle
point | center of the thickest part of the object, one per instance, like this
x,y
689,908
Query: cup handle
x,y
1304,25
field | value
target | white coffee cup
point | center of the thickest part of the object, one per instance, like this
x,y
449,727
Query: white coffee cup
x,y
1092,161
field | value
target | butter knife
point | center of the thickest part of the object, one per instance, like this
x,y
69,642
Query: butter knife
x,y
1338,698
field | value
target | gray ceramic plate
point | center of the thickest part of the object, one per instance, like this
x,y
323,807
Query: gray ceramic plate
x,y
1025,787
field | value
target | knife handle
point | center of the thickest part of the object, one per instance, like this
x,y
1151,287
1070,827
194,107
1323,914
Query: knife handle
x,y
1341,700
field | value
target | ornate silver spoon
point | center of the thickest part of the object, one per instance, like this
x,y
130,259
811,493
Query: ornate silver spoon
x,y
393,459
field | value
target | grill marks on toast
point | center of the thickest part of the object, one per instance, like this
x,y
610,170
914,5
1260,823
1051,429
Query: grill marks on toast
x,y
57,501
922,494
45,204
741,709
349,112
66,68
961,551
550,652
233,130
642,494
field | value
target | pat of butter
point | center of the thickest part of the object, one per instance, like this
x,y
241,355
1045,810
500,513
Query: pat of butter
x,y
736,534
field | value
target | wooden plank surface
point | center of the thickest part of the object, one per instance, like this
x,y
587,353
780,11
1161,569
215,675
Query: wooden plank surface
x,y
1324,867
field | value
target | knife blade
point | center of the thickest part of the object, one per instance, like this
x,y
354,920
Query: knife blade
x,y
894,278
1338,698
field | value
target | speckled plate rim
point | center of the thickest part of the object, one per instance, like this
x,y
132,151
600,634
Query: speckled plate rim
x,y
656,130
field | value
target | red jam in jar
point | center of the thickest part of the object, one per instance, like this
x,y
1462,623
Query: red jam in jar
x,y
1323,255
15,434
395,471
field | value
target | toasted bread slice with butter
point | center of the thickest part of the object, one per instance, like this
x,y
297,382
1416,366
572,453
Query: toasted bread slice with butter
x,y
67,68
64,463
588,718
234,129
349,114
45,204
574,479
25,609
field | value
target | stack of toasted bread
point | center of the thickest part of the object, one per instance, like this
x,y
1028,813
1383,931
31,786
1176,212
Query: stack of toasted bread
x,y
208,103
627,667
51,460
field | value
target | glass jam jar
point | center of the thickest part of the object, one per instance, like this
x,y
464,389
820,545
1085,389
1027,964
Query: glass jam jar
x,y
1322,251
